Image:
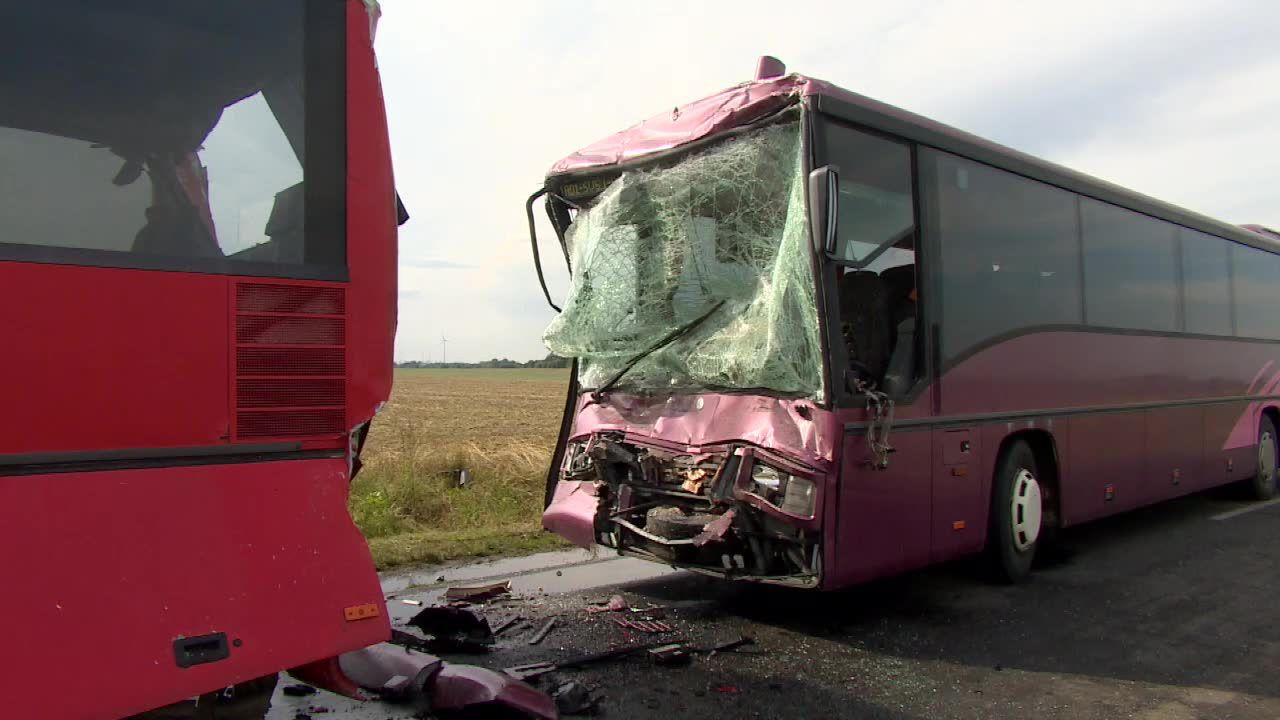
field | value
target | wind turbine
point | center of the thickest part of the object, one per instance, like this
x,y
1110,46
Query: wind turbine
x,y
444,350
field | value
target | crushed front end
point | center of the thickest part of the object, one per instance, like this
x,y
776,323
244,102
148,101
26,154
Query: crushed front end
x,y
695,431
732,510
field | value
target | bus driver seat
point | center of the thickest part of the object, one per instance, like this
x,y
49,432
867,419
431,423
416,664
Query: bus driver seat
x,y
864,322
900,283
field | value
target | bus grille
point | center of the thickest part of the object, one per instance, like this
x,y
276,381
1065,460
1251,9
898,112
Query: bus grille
x,y
290,361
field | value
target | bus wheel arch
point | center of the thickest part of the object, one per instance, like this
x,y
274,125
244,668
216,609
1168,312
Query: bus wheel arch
x,y
1263,484
1024,503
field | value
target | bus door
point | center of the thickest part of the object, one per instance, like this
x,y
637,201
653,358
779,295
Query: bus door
x,y
883,512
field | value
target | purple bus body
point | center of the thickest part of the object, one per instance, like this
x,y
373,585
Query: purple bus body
x,y
1132,419
931,504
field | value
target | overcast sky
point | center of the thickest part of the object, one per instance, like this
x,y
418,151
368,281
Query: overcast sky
x,y
1179,100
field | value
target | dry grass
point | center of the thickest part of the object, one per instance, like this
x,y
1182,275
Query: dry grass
x,y
498,424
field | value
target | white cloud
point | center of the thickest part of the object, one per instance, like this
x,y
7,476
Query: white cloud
x,y
1168,98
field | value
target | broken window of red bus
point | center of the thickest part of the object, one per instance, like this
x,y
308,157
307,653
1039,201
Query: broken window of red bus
x,y
209,143
704,257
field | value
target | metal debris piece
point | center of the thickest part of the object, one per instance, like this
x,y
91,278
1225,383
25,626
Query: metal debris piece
x,y
670,654
454,629
298,690
408,640
715,530
412,602
604,655
506,625
531,670
655,610
730,646
542,631
573,698
617,603
478,593
647,626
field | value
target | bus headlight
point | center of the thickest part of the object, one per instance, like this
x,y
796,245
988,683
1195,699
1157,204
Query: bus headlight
x,y
789,493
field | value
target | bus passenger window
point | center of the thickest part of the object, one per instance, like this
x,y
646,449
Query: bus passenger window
x,y
1010,252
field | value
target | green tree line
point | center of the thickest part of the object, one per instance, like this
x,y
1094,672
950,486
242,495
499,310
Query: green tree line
x,y
550,361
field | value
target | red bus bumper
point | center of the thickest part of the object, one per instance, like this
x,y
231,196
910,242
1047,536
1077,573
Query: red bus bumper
x,y
166,583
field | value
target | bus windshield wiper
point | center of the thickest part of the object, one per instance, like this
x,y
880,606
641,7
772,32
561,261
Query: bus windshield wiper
x,y
666,340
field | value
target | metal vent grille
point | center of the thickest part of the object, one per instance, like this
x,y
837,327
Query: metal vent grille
x,y
290,361
283,330
257,297
289,423
290,392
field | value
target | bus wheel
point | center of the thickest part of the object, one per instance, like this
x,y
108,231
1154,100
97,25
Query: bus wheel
x,y
1016,513
1263,485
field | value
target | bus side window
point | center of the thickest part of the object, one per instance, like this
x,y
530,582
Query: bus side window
x,y
875,258
1009,253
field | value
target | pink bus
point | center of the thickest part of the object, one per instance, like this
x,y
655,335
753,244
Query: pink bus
x,y
821,340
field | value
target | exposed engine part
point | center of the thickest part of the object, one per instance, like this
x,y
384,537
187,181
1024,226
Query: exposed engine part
x,y
676,523
701,510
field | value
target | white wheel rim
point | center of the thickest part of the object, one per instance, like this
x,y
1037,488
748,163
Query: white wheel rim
x,y
1025,507
1266,458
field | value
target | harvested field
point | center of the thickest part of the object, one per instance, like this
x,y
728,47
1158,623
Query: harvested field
x,y
500,425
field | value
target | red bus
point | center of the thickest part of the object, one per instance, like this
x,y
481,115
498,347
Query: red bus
x,y
198,281
821,340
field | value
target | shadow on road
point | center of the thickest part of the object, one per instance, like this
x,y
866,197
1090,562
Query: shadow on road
x,y
1163,595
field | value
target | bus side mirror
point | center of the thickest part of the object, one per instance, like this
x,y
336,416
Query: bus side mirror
x,y
824,200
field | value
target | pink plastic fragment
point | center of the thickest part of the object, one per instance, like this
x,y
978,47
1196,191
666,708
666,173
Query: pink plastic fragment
x,y
572,513
714,531
617,603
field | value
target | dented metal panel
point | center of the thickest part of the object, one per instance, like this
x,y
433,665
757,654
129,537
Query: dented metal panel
x,y
728,109
793,427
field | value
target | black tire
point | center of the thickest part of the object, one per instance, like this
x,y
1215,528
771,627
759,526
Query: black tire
x,y
1011,546
1263,484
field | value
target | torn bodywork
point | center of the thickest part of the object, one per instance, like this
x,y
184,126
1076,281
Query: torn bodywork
x,y
732,510
435,686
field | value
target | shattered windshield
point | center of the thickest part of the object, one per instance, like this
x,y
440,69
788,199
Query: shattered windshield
x,y
662,246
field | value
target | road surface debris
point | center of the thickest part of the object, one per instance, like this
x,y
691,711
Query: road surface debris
x,y
542,632
477,593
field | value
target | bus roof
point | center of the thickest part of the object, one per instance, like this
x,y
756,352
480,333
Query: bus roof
x,y
749,102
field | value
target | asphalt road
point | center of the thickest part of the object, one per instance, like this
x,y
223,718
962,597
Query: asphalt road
x,y
1169,612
